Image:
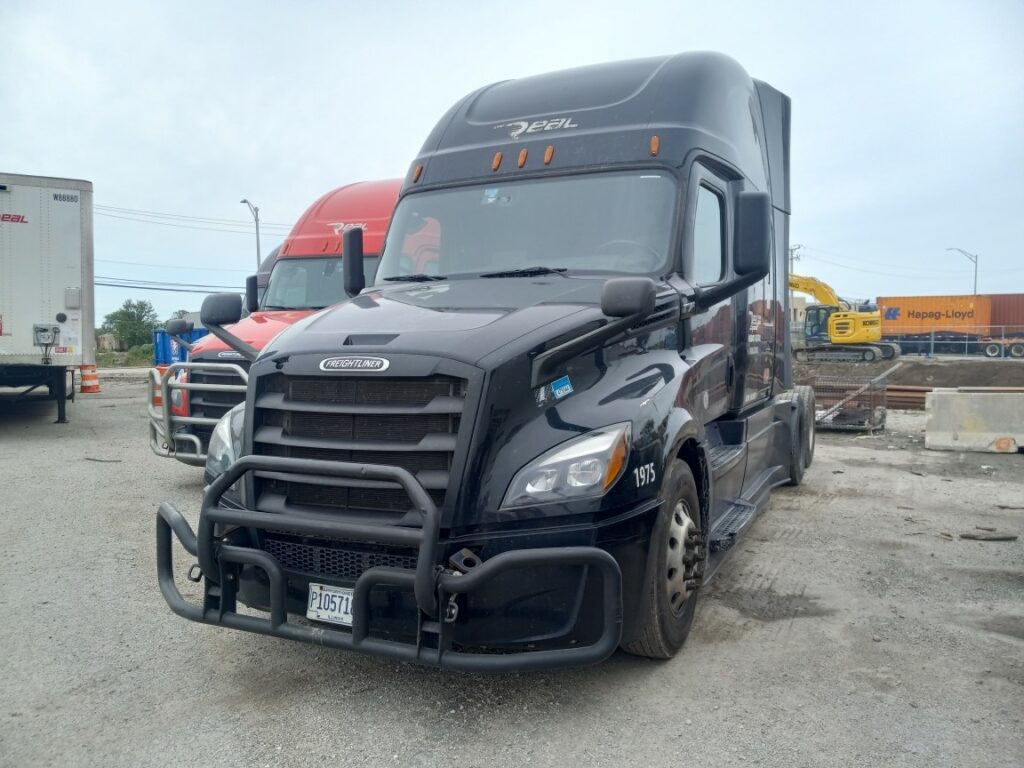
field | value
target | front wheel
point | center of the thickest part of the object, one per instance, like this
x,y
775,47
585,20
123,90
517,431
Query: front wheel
x,y
675,565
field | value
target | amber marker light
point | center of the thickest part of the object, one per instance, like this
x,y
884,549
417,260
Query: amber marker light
x,y
522,157
417,173
496,162
617,461
655,146
549,154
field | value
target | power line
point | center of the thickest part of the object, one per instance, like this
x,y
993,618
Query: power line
x,y
174,224
161,282
179,268
206,219
155,288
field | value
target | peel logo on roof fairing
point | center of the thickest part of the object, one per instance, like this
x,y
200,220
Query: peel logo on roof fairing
x,y
518,127
353,363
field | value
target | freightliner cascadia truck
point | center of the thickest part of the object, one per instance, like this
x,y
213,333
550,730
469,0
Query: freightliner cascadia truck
x,y
46,286
191,397
562,400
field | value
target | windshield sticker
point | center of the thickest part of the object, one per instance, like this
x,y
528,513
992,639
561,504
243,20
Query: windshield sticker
x,y
490,196
561,387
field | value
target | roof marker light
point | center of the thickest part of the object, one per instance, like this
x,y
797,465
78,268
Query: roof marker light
x,y
549,153
417,173
655,146
522,157
496,162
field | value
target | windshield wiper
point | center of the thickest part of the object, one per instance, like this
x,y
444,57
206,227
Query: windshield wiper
x,y
527,272
417,278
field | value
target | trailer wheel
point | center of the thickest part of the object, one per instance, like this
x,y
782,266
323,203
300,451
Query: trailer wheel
x,y
675,566
809,419
1017,350
993,350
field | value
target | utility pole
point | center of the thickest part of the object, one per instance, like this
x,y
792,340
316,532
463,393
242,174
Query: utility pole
x,y
255,211
793,256
973,257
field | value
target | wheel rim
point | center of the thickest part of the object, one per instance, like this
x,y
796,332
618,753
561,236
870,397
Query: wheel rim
x,y
684,558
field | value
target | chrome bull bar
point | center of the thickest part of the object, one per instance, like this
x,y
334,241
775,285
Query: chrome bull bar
x,y
169,435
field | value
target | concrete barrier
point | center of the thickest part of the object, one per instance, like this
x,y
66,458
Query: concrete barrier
x,y
989,422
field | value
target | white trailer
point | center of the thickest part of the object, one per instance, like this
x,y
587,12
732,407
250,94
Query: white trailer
x,y
46,286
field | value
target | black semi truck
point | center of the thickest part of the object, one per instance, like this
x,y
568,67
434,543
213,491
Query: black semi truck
x,y
533,439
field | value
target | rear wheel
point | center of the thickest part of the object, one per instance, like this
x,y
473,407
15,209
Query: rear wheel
x,y
993,350
808,427
675,566
1017,350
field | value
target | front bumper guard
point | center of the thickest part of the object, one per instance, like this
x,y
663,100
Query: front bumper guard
x,y
432,586
166,427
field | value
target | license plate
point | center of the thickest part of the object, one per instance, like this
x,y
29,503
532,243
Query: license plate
x,y
327,603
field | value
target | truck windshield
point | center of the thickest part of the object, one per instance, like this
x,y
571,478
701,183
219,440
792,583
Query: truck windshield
x,y
311,282
599,222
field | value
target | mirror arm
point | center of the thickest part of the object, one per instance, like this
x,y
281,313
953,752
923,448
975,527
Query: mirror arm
x,y
545,365
247,351
706,297
186,344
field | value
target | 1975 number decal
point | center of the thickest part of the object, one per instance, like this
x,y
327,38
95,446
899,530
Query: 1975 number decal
x,y
644,475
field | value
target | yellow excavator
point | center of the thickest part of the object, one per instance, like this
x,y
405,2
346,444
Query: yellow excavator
x,y
834,331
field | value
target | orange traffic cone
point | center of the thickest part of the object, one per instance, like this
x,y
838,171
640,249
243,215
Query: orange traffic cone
x,y
158,399
90,380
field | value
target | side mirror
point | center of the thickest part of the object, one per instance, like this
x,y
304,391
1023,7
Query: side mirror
x,y
178,326
753,252
221,309
352,261
252,293
628,296
752,249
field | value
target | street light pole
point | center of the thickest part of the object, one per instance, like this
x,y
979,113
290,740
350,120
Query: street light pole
x,y
974,259
255,211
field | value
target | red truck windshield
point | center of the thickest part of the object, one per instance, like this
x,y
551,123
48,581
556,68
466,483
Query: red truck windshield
x,y
597,222
312,282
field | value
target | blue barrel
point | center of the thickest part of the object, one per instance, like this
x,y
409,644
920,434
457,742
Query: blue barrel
x,y
166,350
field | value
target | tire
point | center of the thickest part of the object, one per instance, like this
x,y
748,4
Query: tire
x,y
993,350
797,447
666,619
809,428
1017,351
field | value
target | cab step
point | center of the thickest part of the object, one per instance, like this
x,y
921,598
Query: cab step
x,y
730,525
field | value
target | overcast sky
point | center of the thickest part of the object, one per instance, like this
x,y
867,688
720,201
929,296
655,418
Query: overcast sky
x,y
908,118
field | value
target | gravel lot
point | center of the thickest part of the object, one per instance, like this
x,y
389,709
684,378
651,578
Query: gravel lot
x,y
845,630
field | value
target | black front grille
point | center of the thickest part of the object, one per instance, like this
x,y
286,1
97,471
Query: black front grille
x,y
338,559
213,405
411,423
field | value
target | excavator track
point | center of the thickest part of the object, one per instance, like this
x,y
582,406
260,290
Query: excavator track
x,y
846,353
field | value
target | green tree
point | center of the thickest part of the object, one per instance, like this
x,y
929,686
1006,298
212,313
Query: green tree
x,y
133,323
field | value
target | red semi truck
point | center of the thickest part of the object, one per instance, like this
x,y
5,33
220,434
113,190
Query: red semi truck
x,y
189,398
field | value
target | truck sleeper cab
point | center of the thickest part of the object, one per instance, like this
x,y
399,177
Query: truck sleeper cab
x,y
564,397
305,276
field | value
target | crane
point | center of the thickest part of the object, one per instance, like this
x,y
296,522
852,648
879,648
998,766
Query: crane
x,y
836,331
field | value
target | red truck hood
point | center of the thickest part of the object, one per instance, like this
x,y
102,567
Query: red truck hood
x,y
256,329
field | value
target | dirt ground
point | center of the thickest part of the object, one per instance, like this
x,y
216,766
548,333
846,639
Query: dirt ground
x,y
921,372
851,627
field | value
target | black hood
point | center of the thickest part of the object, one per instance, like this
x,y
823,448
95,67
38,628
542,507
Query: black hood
x,y
459,319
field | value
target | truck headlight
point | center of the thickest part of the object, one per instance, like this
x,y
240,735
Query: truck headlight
x,y
584,467
225,447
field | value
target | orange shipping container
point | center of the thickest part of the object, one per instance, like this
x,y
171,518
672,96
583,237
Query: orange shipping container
x,y
923,314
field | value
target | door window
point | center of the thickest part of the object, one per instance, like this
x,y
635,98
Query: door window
x,y
708,250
